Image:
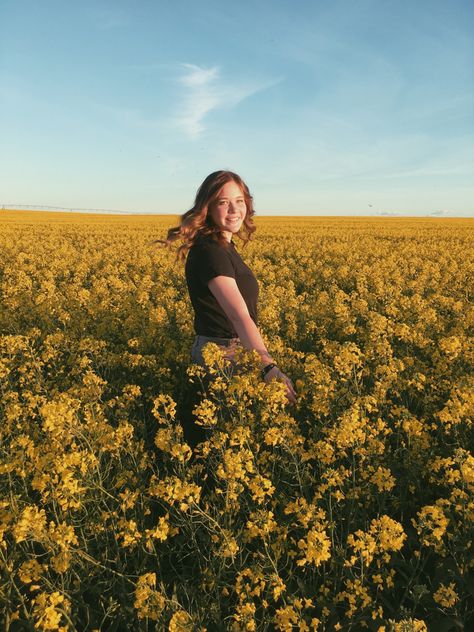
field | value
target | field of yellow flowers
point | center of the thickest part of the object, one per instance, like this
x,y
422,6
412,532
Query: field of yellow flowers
x,y
352,510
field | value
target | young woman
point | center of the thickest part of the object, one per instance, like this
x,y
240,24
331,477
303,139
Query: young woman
x,y
222,288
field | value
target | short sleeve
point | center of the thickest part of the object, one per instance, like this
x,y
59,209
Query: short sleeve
x,y
211,260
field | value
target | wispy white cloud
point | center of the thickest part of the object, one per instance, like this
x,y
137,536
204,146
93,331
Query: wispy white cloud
x,y
206,91
198,77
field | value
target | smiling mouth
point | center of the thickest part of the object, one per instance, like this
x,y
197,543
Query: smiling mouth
x,y
234,220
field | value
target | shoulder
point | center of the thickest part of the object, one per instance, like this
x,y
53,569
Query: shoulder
x,y
207,252
203,241
206,244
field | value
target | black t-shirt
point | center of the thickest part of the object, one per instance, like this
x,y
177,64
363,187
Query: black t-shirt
x,y
206,260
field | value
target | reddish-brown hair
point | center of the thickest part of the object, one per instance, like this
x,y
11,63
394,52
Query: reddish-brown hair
x,y
197,221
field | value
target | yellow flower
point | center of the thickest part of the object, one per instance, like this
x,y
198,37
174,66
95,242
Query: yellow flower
x,y
244,617
385,535
49,610
278,588
181,622
357,595
260,524
161,532
168,440
446,596
61,561
235,465
31,525
285,618
175,491
128,533
451,347
229,546
30,571
205,413
149,602
316,547
261,488
431,525
168,405
383,479
408,625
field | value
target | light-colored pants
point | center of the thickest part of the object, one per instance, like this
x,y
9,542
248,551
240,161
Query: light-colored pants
x,y
229,345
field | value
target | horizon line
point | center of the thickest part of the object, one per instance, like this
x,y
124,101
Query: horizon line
x,y
83,211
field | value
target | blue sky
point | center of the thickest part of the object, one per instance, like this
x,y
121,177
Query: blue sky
x,y
324,107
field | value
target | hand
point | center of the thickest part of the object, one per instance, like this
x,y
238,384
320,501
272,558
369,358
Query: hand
x,y
276,374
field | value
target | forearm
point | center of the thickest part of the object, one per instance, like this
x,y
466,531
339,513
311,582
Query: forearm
x,y
250,337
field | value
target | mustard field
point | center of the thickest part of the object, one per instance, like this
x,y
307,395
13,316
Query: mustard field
x,y
352,510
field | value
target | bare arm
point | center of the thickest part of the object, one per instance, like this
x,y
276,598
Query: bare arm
x,y
228,296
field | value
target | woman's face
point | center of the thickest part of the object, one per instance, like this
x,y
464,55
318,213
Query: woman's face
x,y
229,209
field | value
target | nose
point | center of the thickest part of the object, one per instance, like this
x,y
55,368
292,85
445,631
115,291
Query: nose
x,y
233,207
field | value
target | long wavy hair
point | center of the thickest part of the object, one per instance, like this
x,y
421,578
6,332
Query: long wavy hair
x,y
198,221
